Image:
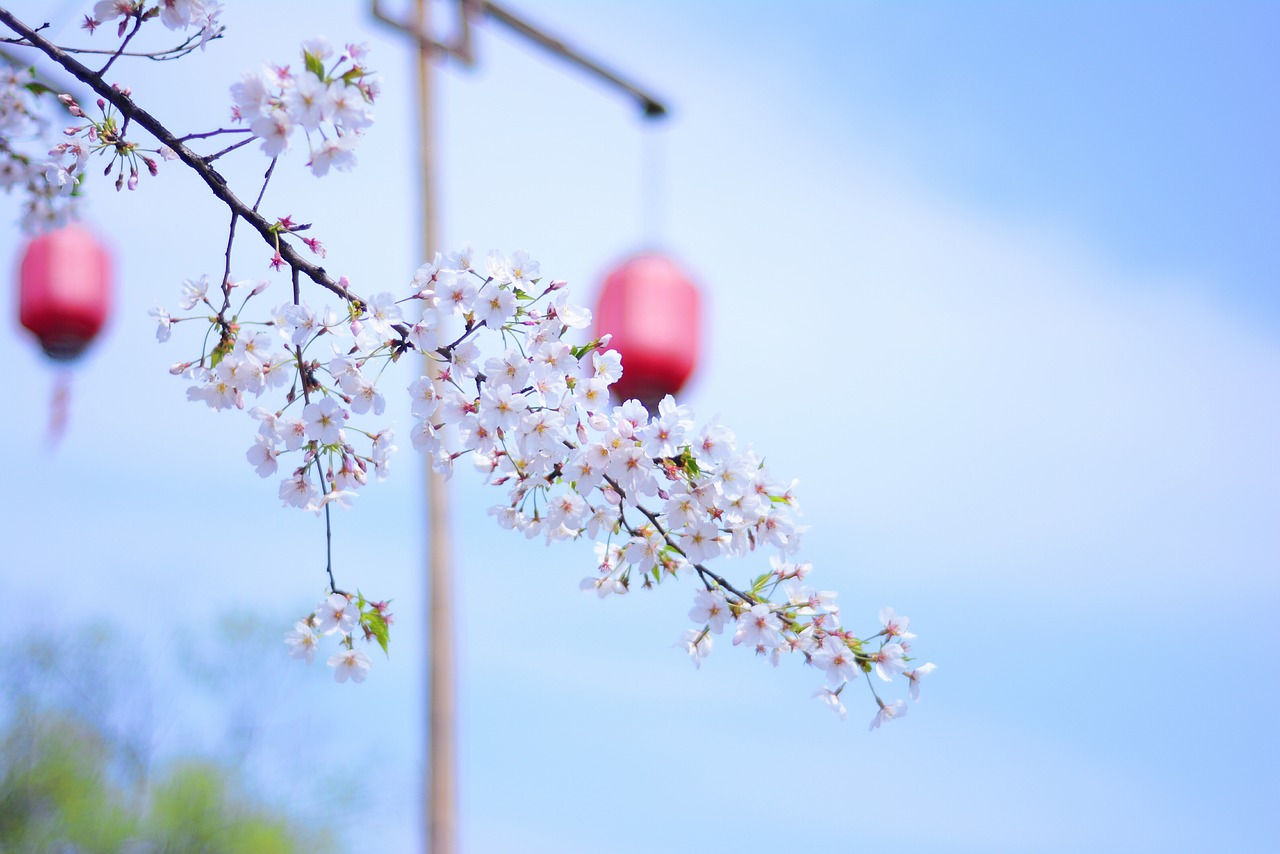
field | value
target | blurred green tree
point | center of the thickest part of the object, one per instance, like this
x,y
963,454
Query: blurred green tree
x,y
72,779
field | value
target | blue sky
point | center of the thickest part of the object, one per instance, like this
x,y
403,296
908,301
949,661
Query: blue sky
x,y
996,281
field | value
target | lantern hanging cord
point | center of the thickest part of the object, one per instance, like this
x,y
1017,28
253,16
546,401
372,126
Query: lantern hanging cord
x,y
653,184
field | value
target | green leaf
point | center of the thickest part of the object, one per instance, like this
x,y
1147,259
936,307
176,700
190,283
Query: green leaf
x,y
377,627
583,349
688,463
314,65
224,347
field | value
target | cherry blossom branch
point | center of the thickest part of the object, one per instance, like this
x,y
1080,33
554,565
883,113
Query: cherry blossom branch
x,y
211,177
538,419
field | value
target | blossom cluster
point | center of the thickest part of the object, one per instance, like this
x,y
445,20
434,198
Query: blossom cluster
x,y
103,137
340,614
530,411
45,185
329,101
249,360
174,14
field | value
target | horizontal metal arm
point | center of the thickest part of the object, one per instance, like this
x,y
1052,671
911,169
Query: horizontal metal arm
x,y
460,47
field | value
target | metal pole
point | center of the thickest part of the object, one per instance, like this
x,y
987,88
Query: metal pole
x,y
440,789
440,809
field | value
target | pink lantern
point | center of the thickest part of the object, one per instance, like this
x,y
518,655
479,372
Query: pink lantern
x,y
653,311
65,290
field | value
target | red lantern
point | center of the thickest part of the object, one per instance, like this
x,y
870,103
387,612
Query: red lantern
x,y
653,312
65,290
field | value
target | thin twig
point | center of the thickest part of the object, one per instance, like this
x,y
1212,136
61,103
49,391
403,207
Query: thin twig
x,y
328,551
23,42
157,56
137,25
226,270
213,133
228,149
702,570
266,179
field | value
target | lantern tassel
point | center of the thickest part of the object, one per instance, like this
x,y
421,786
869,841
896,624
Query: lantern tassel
x,y
59,408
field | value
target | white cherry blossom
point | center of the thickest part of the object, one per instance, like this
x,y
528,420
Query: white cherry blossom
x,y
888,711
916,675
350,664
302,641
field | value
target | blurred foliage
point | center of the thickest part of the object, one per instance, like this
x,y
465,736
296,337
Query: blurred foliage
x,y
76,773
